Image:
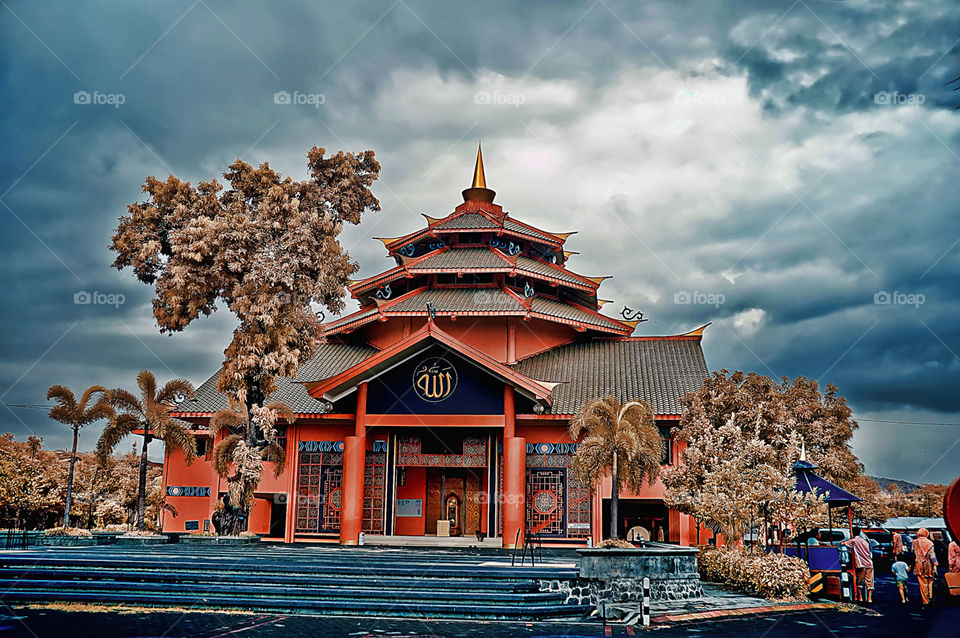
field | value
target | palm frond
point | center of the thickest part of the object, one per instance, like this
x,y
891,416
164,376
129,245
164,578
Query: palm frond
x,y
173,388
223,453
226,418
282,409
148,386
89,392
176,435
126,400
118,428
274,452
66,403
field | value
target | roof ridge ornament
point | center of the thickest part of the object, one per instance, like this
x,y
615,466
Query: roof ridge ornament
x,y
478,191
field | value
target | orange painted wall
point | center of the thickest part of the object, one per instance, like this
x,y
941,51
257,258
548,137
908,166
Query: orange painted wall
x,y
195,508
537,335
259,522
415,486
489,334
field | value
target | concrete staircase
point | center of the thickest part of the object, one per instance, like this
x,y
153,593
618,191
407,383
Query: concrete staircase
x,y
351,581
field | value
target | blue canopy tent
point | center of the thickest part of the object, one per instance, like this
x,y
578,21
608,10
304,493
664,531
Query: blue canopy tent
x,y
809,482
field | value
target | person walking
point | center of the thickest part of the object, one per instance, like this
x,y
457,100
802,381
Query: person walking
x,y
900,572
926,564
863,564
897,546
953,557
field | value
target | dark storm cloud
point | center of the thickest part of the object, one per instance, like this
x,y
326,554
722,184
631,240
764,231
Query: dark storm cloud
x,y
680,200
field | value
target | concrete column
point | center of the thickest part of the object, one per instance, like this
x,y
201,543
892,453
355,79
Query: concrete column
x,y
514,479
354,458
293,467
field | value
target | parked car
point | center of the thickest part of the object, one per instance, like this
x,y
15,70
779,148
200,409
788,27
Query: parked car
x,y
833,536
881,547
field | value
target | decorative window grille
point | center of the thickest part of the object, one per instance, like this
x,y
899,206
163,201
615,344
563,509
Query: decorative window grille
x,y
374,482
319,481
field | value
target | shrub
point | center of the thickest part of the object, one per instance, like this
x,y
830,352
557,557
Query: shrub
x,y
67,531
756,572
615,542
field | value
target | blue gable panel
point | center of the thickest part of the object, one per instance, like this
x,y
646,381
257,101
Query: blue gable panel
x,y
437,381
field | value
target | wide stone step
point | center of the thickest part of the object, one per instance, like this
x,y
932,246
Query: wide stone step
x,y
328,592
420,569
285,605
70,574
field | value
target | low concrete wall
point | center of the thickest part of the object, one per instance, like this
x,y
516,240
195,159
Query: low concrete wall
x,y
616,575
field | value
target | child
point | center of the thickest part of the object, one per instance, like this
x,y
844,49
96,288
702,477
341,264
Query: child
x,y
900,570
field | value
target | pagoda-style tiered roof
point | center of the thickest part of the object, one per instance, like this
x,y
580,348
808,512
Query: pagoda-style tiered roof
x,y
452,281
478,261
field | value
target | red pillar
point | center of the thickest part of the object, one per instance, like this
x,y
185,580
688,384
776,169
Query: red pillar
x,y
514,473
354,450
293,467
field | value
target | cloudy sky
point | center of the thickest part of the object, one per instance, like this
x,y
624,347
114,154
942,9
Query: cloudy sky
x,y
787,168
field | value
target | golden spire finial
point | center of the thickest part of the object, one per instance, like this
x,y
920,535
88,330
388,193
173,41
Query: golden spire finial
x,y
479,181
478,191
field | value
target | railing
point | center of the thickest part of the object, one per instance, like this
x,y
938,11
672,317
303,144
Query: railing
x,y
16,539
531,540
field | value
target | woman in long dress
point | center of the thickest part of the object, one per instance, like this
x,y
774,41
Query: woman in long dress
x,y
953,557
926,564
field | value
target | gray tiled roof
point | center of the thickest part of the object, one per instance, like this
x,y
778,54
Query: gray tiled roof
x,y
331,359
563,310
540,268
511,225
660,371
471,258
460,300
468,220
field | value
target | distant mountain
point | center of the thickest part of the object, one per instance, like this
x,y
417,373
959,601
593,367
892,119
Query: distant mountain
x,y
906,486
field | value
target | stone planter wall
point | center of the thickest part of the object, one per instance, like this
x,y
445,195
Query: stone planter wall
x,y
200,539
155,539
616,575
64,541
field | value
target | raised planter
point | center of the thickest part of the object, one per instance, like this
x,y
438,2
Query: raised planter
x,y
51,540
201,539
138,539
613,575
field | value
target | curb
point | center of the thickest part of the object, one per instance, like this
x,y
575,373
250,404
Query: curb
x,y
742,611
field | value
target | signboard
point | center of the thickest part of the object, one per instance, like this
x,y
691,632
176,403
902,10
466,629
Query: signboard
x,y
409,507
188,490
191,526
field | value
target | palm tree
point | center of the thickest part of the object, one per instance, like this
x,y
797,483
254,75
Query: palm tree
x,y
76,415
233,451
148,416
620,438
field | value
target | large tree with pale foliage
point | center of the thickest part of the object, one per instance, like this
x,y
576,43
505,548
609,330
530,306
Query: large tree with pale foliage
x,y
743,432
621,439
266,248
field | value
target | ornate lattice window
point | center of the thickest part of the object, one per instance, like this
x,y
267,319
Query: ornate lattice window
x,y
319,481
546,501
579,501
374,481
